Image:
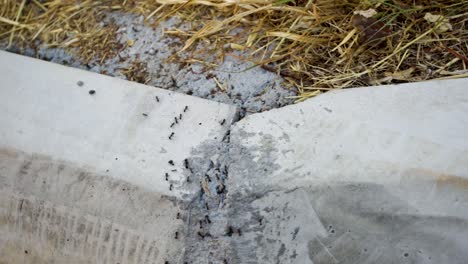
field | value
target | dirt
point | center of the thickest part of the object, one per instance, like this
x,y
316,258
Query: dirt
x,y
233,81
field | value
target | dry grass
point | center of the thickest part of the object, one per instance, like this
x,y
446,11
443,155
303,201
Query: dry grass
x,y
136,72
316,45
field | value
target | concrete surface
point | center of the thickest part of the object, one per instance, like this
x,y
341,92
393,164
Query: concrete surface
x,y
369,175
83,174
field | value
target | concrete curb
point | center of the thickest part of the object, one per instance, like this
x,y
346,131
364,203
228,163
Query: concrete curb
x,y
96,169
93,168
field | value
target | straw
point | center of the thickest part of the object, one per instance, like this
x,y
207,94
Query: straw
x,y
316,45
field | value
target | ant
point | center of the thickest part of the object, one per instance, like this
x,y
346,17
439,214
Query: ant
x,y
208,177
230,231
220,188
200,234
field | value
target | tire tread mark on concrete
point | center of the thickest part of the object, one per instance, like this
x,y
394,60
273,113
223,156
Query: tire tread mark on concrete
x,y
144,249
133,241
126,246
137,250
88,235
119,245
155,252
114,236
97,240
57,233
17,216
42,225
149,253
107,243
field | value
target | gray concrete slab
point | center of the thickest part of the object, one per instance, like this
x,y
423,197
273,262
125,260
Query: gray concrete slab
x,y
369,175
83,163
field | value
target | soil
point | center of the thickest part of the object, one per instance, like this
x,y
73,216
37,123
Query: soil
x,y
251,89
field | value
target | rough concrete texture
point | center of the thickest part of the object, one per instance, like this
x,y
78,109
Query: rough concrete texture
x,y
93,169
251,89
370,175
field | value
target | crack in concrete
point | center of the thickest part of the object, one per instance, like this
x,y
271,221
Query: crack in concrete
x,y
215,223
208,233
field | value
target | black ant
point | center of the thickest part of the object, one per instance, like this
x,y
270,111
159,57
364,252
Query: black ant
x,y
220,188
157,99
230,231
200,234
170,187
176,235
171,162
223,122
208,177
172,134
167,176
186,108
